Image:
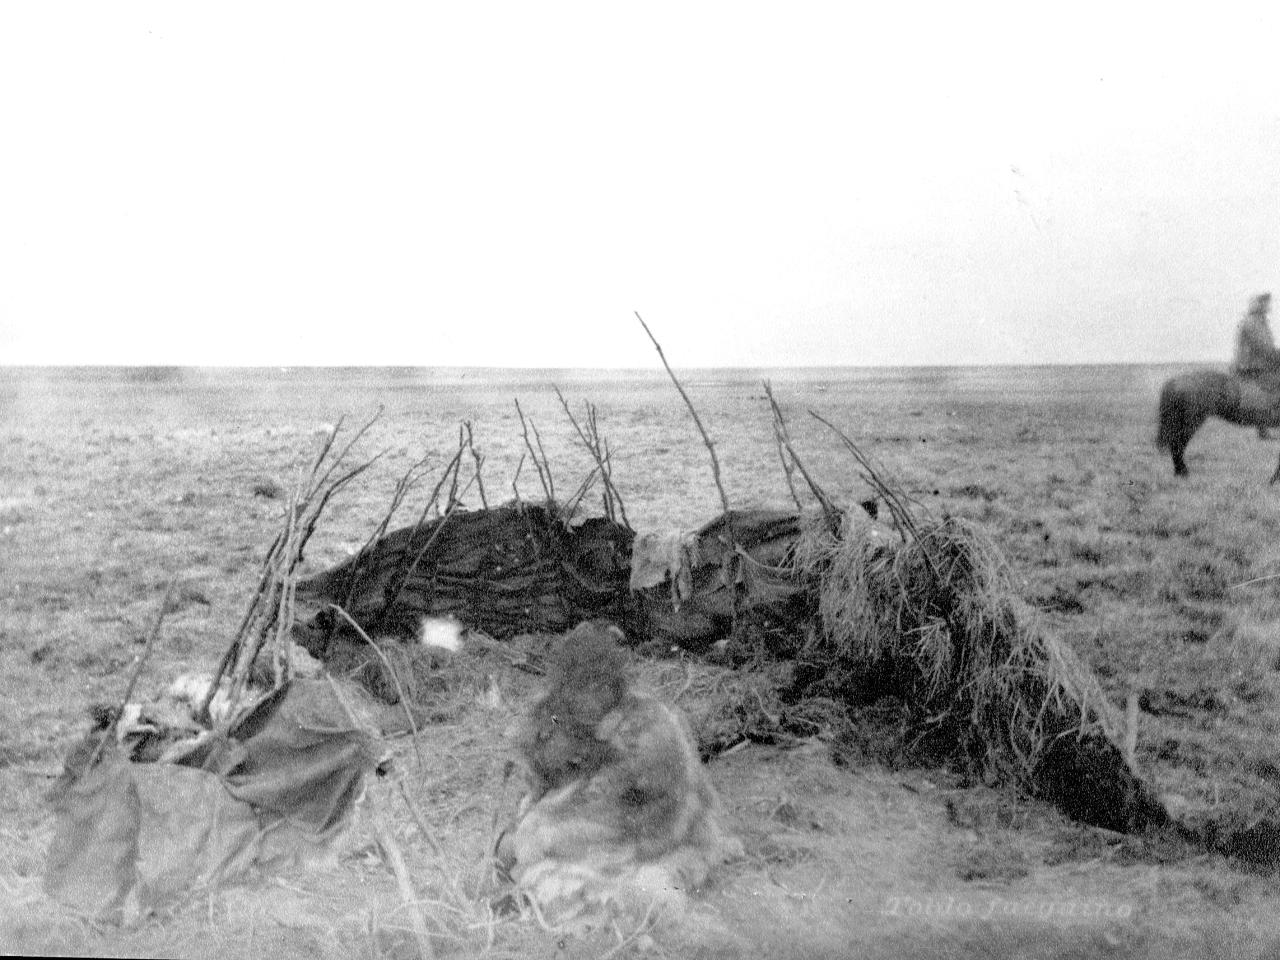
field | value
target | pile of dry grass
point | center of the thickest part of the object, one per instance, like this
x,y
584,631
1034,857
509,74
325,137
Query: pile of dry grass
x,y
933,618
939,613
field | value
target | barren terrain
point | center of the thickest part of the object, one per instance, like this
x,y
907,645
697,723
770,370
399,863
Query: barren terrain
x,y
113,481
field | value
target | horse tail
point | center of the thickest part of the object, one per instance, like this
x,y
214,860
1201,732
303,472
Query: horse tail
x,y
1172,432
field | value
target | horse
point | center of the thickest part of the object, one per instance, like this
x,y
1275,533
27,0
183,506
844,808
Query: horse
x,y
1189,399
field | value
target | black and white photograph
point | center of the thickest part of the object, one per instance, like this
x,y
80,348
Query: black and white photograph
x,y
671,481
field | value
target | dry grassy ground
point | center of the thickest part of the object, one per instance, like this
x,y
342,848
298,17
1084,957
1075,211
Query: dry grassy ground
x,y
111,484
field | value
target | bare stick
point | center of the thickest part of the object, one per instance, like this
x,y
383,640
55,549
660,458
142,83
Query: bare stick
x,y
715,462
533,455
404,701
601,457
788,467
404,485
427,835
453,485
599,450
392,849
735,567
229,656
1246,583
452,466
479,462
395,861
110,732
784,435
453,506
393,857
408,480
901,514
324,451
515,480
571,506
606,463
551,481
275,598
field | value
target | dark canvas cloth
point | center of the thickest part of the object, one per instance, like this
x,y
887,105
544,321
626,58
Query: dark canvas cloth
x,y
156,831
92,863
296,755
150,831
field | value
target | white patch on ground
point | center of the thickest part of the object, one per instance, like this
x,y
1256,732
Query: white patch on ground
x,y
444,633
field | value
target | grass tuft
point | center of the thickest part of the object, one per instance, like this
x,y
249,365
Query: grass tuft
x,y
937,618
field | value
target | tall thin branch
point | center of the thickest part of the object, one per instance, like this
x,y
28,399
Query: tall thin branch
x,y
711,448
417,559
901,514
450,470
407,482
515,480
391,674
543,470
735,567
575,501
783,435
892,496
328,444
551,480
598,448
788,466
471,444
110,732
453,485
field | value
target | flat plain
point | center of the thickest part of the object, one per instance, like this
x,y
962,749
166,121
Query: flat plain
x,y
114,480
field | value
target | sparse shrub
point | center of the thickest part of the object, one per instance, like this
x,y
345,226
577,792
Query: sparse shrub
x,y
1060,601
153,374
268,489
974,491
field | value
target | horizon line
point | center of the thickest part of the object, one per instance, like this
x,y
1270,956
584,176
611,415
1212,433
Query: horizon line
x,y
657,368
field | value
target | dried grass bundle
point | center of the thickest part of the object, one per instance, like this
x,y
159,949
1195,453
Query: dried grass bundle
x,y
938,614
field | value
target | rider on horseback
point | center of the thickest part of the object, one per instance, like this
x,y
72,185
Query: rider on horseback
x,y
1248,396
1256,355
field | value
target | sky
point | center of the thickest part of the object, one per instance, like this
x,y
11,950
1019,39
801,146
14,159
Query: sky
x,y
492,184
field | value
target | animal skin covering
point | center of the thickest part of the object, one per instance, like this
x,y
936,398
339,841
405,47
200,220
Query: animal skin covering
x,y
281,783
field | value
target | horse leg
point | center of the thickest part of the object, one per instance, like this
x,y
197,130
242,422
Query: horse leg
x,y
1192,421
1181,437
1262,434
1275,476
1179,419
